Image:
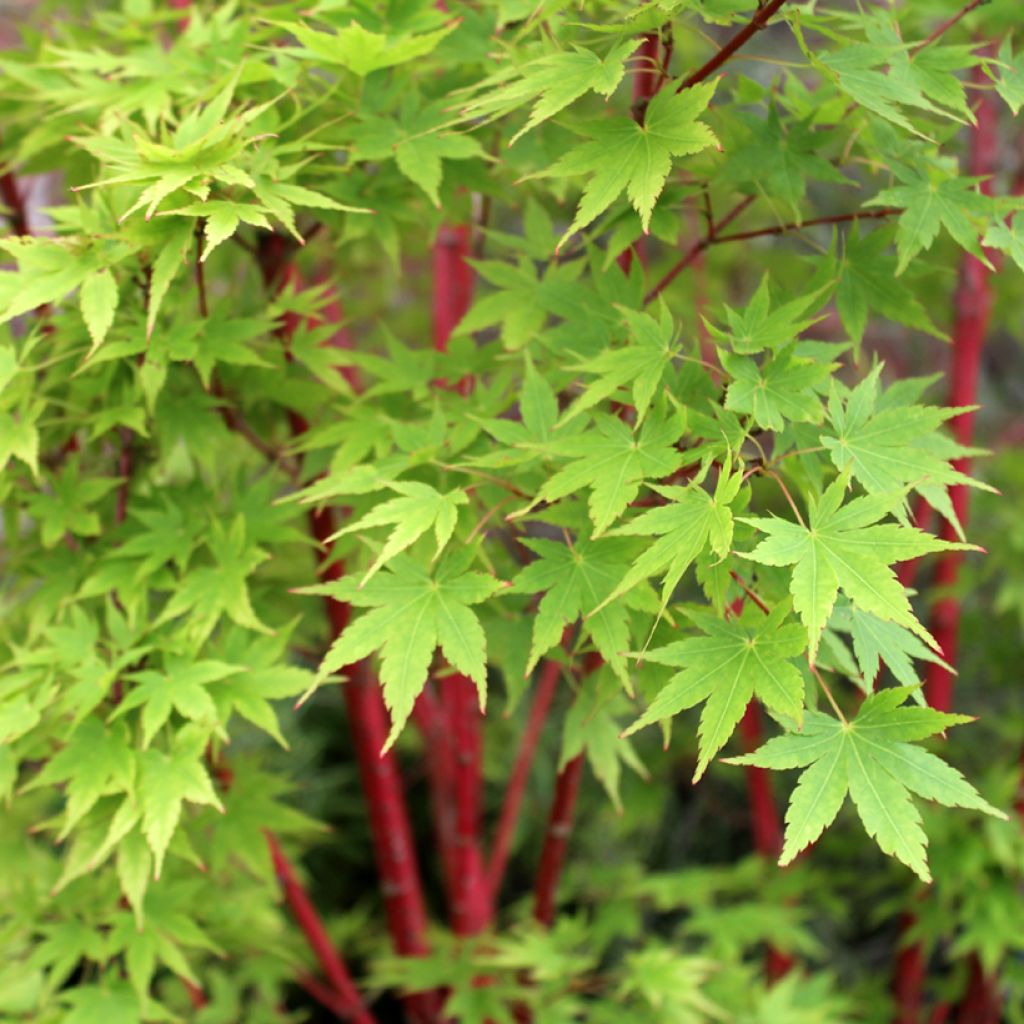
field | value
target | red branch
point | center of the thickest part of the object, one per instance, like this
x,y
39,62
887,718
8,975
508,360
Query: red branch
x,y
756,23
547,686
556,841
17,213
946,26
973,311
714,236
439,757
349,1005
646,81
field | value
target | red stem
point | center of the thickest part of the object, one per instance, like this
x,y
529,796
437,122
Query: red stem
x,y
471,908
756,23
349,1005
471,904
431,720
556,841
646,79
764,814
973,310
17,212
547,686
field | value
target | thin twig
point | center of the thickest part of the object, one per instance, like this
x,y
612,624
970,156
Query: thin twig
x,y
714,236
946,26
694,251
756,23
828,693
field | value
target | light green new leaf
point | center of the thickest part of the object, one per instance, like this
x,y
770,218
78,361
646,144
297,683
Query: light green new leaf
x,y
574,580
735,660
640,365
759,326
875,642
166,781
419,508
1010,80
96,761
781,390
555,81
872,759
90,1004
624,155
613,462
1008,238
182,688
692,521
362,51
845,548
134,868
929,204
98,301
412,614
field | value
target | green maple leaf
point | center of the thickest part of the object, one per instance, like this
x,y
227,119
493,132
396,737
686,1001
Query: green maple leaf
x,y
182,687
888,444
759,326
574,580
854,67
96,761
867,282
876,642
612,461
1008,238
642,364
553,81
91,1004
735,660
420,508
780,390
780,160
98,300
871,759
209,593
591,727
363,51
1010,83
165,782
621,154
412,614
418,143
931,202
845,548
692,521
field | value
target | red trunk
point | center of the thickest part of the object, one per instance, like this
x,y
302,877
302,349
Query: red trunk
x,y
471,908
973,310
471,905
764,814
982,1004
547,686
